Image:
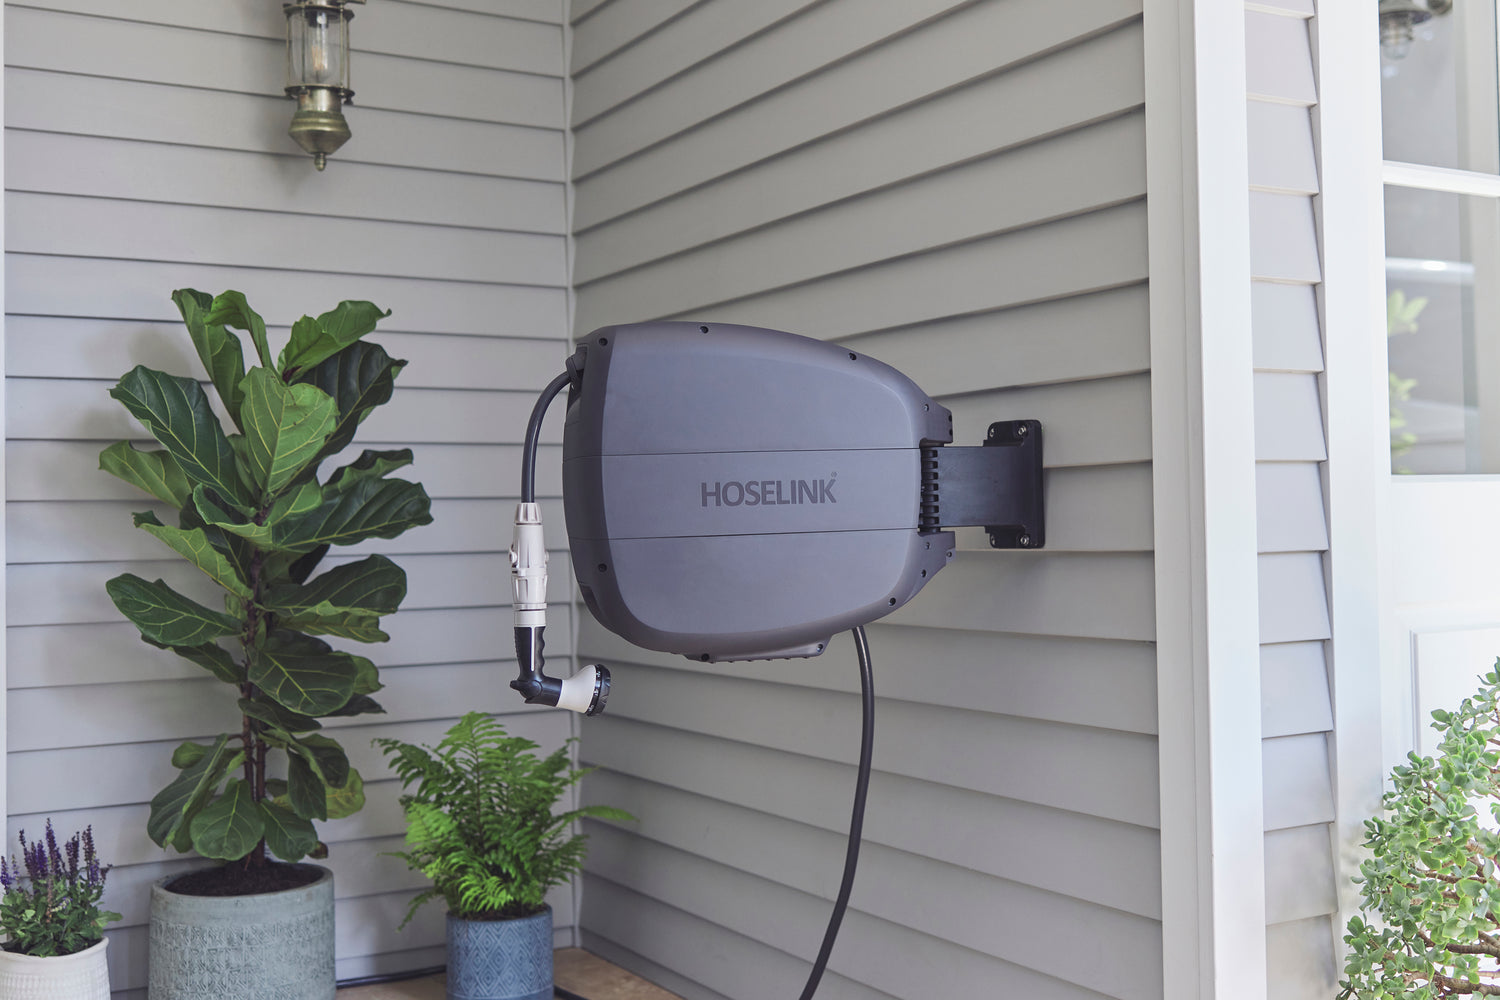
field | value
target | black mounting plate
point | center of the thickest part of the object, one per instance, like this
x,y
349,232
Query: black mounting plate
x,y
997,485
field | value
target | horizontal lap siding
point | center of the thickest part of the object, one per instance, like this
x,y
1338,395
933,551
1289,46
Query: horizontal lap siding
x,y
1296,714
149,153
884,176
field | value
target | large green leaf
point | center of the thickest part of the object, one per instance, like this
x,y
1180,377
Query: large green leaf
x,y
288,835
328,760
316,339
347,799
188,754
345,601
176,412
305,499
231,309
286,427
240,553
187,792
371,508
366,676
155,472
218,349
360,704
230,826
307,796
194,546
359,378
302,673
273,714
369,465
211,657
165,616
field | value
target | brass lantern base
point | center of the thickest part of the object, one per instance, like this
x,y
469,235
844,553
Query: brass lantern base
x,y
318,124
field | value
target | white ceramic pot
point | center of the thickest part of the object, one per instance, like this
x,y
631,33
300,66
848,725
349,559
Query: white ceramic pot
x,y
83,975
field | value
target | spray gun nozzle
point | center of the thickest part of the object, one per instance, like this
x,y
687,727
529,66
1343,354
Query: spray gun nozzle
x,y
584,692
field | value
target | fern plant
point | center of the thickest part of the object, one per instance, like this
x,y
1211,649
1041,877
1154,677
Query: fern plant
x,y
480,819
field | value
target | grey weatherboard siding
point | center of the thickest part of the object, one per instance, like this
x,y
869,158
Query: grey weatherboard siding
x,y
957,189
1292,531
146,152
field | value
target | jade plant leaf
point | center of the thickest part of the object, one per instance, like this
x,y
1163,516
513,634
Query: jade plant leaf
x,y
314,340
274,714
210,656
359,378
194,546
155,472
176,412
289,836
218,349
231,309
165,616
286,427
230,826
302,673
187,792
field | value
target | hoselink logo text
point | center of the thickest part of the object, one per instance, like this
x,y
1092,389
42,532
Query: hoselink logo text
x,y
768,492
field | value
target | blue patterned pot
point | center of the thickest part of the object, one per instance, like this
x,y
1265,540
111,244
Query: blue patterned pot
x,y
500,959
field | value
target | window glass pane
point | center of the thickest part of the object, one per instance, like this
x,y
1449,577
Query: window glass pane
x,y
1443,325
1438,101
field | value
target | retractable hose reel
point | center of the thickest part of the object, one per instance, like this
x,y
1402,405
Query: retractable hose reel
x,y
734,493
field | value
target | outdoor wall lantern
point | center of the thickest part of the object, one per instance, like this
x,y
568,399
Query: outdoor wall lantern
x,y
317,73
1399,17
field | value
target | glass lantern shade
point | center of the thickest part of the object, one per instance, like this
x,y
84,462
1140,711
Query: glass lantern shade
x,y
317,73
317,52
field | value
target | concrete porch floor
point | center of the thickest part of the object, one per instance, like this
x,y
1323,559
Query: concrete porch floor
x,y
574,970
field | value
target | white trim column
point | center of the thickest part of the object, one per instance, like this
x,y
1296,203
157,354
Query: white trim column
x,y
1356,482
1203,454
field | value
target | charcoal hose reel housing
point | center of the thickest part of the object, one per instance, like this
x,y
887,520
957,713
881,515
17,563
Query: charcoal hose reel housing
x,y
734,493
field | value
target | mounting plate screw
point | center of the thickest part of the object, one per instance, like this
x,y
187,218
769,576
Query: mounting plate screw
x,y
1021,430
1024,541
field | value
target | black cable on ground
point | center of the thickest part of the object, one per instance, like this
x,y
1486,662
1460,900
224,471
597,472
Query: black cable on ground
x,y
534,432
857,821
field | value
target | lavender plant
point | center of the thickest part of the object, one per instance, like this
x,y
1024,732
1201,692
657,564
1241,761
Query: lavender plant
x,y
51,901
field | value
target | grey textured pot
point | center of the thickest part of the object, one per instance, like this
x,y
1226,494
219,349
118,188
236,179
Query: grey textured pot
x,y
500,959
271,946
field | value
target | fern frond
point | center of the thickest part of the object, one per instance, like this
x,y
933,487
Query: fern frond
x,y
482,822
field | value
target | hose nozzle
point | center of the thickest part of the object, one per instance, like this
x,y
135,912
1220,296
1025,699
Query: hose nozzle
x,y
584,692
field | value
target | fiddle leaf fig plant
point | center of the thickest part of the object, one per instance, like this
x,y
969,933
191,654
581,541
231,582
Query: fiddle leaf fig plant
x,y
1430,888
248,511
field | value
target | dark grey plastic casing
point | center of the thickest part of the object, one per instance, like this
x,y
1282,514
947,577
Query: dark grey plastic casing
x,y
734,493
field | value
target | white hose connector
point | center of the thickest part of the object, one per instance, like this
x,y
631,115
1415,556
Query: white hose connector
x,y
528,568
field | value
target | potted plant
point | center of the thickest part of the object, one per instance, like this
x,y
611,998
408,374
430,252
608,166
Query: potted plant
x,y
52,922
481,823
1430,886
250,512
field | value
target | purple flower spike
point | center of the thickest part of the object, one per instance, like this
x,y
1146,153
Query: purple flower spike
x,y
71,847
6,881
54,856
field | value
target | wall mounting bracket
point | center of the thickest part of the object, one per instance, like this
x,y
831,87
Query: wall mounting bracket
x,y
997,485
